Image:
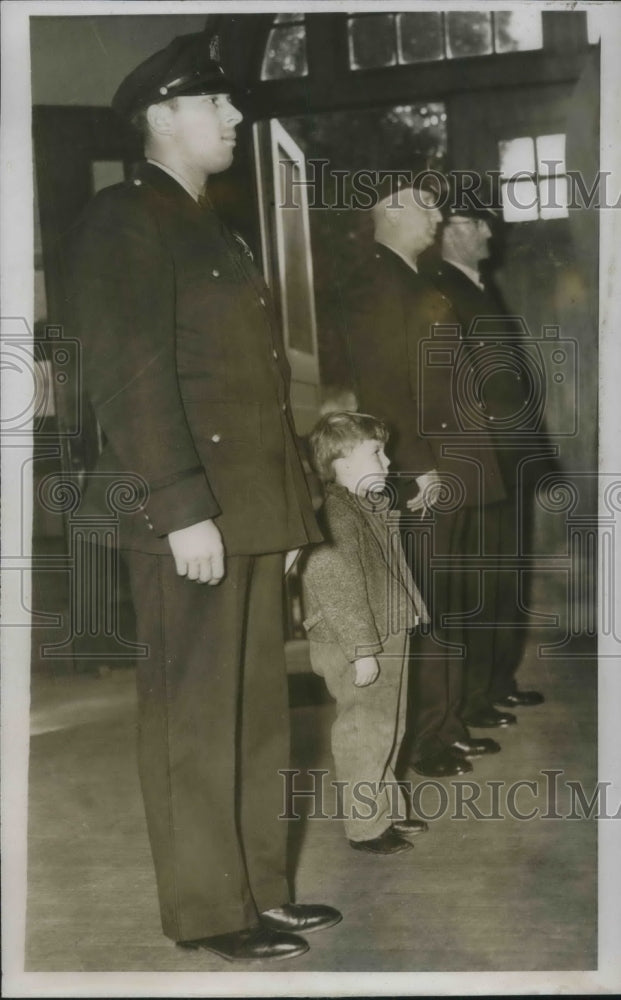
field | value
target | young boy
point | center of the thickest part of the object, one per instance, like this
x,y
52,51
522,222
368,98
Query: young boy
x,y
361,603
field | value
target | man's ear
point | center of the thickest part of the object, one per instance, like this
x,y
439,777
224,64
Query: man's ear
x,y
446,232
391,213
160,118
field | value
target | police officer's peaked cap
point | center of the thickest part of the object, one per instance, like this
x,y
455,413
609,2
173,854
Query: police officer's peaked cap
x,y
480,212
463,201
184,68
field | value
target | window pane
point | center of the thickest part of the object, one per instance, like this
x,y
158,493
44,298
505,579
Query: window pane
x,y
299,327
551,154
517,30
285,53
517,155
372,41
553,196
420,37
519,201
468,34
287,18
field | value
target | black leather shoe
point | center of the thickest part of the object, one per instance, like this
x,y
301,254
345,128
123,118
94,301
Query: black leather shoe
x,y
519,698
250,945
475,748
409,827
300,917
389,843
487,718
442,764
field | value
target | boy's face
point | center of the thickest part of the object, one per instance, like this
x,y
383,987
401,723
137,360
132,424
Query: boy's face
x,y
364,468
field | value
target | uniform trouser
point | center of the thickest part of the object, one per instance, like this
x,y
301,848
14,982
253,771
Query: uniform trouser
x,y
213,732
495,638
367,735
437,654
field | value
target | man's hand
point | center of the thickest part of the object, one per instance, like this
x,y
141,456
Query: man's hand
x,y
198,552
367,670
429,486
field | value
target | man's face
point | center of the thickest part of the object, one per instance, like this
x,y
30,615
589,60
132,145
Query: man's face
x,y
418,219
203,128
466,239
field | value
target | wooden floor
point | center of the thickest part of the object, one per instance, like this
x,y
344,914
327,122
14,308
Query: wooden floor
x,y
473,895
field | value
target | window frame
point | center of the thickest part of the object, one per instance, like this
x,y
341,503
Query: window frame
x,y
282,27
535,176
446,57
331,86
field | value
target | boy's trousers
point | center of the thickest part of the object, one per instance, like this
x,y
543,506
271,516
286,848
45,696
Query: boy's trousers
x,y
367,734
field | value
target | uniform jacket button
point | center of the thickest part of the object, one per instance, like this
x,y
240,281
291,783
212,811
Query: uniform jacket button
x,y
150,526
284,407
216,438
275,355
262,301
137,182
216,272
443,426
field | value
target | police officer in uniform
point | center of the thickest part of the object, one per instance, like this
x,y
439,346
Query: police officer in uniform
x,y
441,480
185,367
500,374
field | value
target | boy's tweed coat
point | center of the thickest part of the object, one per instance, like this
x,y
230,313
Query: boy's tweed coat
x,y
357,584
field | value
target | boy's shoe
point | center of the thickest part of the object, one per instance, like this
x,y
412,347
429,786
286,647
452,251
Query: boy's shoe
x,y
409,827
388,843
258,943
304,917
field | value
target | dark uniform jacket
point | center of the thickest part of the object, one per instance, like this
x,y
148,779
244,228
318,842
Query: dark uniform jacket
x,y
500,358
357,585
186,369
404,346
